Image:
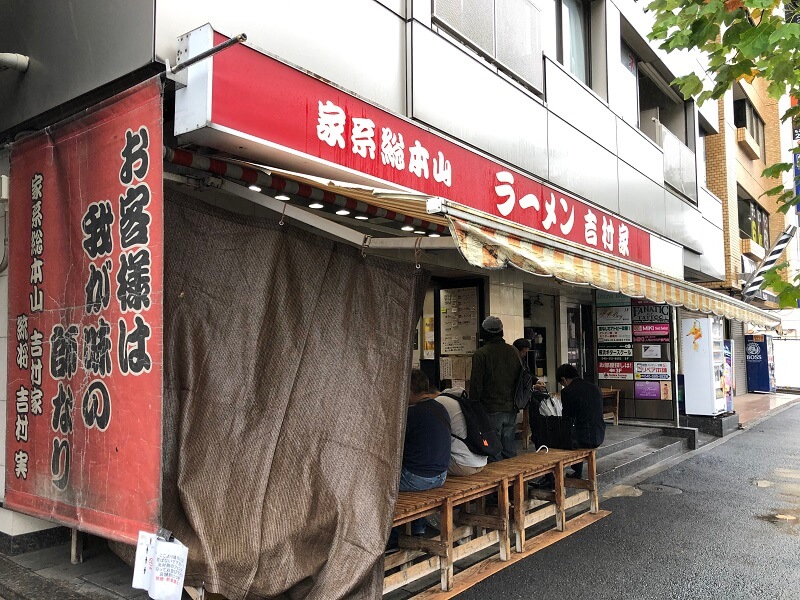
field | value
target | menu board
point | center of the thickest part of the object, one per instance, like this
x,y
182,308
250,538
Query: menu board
x,y
459,320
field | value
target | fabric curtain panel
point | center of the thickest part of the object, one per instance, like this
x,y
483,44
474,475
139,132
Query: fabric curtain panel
x,y
287,361
574,30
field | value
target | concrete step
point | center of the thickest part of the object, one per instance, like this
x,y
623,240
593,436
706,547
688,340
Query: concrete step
x,y
620,437
632,459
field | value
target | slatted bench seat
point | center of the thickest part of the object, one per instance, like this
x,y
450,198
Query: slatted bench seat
x,y
474,526
456,491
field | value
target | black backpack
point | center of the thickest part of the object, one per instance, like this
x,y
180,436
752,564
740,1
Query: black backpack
x,y
524,391
481,437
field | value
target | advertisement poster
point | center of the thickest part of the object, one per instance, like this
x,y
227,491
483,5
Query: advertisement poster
x,y
728,378
428,341
651,350
652,370
85,318
611,334
651,313
614,315
647,390
615,370
611,299
615,352
666,390
657,332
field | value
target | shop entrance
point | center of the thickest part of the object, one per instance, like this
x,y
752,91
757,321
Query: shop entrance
x,y
580,340
449,331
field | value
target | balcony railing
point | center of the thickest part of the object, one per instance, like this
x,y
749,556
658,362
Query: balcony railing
x,y
680,166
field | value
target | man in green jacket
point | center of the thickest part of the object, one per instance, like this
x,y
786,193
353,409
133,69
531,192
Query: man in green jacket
x,y
495,369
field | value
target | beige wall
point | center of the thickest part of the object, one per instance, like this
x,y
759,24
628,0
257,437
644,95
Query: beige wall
x,y
727,165
505,301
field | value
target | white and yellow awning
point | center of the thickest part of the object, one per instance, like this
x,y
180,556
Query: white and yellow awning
x,y
489,243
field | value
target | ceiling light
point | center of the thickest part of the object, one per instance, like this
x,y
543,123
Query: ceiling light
x,y
283,197
407,228
362,218
343,212
419,232
316,205
255,188
434,235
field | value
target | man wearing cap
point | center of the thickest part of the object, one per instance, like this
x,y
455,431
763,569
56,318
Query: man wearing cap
x,y
495,370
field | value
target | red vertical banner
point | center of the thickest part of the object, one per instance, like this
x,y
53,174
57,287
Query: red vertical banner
x,y
83,441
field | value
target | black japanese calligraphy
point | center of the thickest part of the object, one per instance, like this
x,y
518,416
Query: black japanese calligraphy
x,y
97,348
63,404
96,225
133,278
98,288
134,220
133,355
63,351
135,160
96,406
59,463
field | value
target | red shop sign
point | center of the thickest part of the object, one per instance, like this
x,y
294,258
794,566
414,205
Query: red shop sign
x,y
256,96
85,319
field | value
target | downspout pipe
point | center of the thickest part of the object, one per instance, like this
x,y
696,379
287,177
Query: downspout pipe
x,y
16,62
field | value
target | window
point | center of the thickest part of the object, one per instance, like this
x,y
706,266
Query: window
x,y
753,222
745,115
505,32
573,17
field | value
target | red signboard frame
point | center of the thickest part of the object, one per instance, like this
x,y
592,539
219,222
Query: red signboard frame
x,y
84,411
300,113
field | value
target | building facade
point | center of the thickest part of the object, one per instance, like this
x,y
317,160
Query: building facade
x,y
563,95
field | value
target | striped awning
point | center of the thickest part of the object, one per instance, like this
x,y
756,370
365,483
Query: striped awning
x,y
489,248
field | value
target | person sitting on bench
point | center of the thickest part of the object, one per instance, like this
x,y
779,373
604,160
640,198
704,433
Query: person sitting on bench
x,y
463,461
426,450
583,401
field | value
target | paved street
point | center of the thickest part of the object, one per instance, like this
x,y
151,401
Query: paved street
x,y
733,532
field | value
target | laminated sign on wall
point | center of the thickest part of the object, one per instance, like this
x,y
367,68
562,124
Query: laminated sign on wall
x,y
160,566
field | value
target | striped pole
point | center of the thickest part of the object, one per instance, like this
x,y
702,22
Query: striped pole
x,y
757,278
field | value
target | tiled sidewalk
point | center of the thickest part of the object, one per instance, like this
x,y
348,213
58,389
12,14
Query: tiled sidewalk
x,y
754,406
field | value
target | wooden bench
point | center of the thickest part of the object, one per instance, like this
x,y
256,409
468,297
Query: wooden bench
x,y
477,527
613,406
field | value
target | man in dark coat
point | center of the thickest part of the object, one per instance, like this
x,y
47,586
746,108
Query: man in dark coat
x,y
582,401
495,369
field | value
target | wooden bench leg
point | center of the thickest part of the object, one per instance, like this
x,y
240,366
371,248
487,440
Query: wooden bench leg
x,y
519,512
502,505
560,494
594,501
446,536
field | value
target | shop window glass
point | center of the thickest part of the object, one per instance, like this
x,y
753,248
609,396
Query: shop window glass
x,y
753,222
745,115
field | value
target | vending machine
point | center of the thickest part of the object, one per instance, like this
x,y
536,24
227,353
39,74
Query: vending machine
x,y
760,362
703,352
